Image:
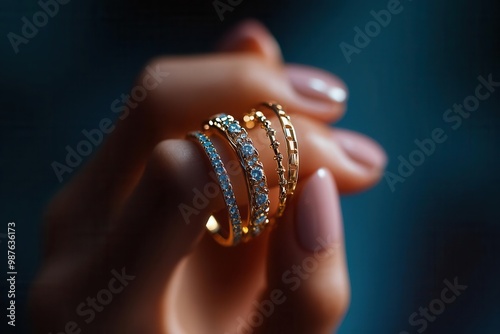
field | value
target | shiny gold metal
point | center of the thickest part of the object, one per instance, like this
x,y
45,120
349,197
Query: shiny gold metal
x,y
256,116
255,177
235,231
291,144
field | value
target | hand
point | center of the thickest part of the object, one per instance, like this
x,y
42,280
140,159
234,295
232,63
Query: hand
x,y
121,258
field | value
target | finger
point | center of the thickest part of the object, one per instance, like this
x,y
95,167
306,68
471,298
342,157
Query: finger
x,y
356,161
176,94
153,235
251,36
220,266
308,285
313,84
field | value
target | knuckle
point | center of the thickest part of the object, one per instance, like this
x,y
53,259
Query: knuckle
x,y
247,75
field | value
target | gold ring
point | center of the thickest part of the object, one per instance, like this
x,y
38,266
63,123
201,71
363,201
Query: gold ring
x,y
250,119
258,191
291,144
235,231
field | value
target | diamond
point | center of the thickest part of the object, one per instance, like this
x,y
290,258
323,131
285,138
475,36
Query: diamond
x,y
247,150
261,198
256,173
260,219
234,128
252,161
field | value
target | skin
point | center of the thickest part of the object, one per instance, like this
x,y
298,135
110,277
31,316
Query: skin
x,y
121,210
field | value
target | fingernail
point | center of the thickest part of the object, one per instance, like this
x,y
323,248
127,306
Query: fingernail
x,y
361,149
319,220
317,84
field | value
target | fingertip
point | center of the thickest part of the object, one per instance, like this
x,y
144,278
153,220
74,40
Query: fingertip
x,y
320,94
318,219
251,36
307,259
362,149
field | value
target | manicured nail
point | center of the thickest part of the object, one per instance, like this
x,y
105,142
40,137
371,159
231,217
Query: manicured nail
x,y
317,84
319,219
361,149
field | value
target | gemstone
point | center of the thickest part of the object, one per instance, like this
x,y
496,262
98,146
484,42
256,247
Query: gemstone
x,y
247,150
234,128
256,174
219,170
261,198
260,219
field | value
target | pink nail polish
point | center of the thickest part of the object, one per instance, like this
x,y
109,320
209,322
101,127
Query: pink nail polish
x,y
318,216
317,84
361,149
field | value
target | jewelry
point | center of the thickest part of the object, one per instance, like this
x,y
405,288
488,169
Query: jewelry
x,y
250,119
235,230
254,171
291,144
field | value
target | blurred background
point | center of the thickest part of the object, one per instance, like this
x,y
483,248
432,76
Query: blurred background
x,y
420,226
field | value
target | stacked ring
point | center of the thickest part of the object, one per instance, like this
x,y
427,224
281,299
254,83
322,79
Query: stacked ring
x,y
287,186
250,119
252,167
242,230
291,144
235,232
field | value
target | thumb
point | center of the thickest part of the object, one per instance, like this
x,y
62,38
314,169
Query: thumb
x,y
307,267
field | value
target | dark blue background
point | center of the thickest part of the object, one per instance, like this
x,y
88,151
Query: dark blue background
x,y
442,222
